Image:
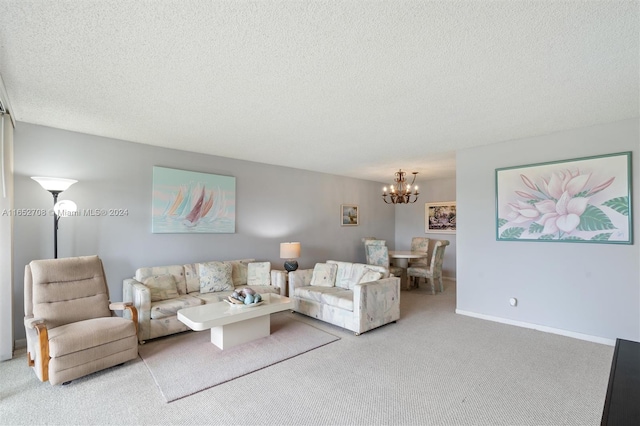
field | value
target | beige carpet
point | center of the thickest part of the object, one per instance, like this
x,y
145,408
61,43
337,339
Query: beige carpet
x,y
186,363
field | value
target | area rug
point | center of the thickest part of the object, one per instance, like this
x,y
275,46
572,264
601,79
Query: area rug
x,y
188,362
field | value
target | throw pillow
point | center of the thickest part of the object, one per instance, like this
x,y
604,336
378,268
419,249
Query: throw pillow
x,y
370,275
259,273
215,276
324,274
238,272
343,273
161,287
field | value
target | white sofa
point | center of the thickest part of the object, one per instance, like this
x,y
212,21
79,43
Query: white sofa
x,y
354,296
159,292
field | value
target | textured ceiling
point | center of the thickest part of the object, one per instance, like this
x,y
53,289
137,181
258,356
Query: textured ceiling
x,y
346,87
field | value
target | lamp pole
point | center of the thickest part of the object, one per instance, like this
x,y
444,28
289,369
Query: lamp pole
x,y
55,224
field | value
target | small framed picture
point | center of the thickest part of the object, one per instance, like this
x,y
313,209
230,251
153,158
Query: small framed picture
x,y
440,217
349,215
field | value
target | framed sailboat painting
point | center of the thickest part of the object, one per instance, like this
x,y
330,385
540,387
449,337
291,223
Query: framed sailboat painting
x,y
192,202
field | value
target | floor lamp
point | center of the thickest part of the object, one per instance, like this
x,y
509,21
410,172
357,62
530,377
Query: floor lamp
x,y
55,186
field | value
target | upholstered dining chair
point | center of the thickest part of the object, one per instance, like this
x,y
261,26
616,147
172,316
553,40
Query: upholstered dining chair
x,y
371,241
434,271
71,328
420,244
378,254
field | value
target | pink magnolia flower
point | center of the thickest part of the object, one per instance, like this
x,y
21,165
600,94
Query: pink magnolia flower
x,y
561,183
563,215
522,212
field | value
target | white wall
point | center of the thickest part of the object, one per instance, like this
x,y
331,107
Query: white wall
x,y
273,204
590,289
410,220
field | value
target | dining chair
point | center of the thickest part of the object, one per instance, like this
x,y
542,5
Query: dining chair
x,y
434,271
378,254
371,241
420,244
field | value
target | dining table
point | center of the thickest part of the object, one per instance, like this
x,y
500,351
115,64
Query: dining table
x,y
400,258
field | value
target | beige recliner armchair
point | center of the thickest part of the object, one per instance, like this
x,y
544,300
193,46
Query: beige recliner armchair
x,y
71,329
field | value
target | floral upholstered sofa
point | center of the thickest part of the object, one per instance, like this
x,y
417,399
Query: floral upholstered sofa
x,y
354,296
159,292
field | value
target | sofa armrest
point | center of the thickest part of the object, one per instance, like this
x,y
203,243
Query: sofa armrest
x,y
279,280
138,294
119,306
299,278
377,302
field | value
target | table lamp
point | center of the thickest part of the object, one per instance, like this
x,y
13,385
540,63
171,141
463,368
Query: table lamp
x,y
290,251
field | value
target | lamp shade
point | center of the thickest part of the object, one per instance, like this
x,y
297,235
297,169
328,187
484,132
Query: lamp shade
x,y
54,184
289,250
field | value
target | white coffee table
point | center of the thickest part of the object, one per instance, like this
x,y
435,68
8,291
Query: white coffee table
x,y
232,325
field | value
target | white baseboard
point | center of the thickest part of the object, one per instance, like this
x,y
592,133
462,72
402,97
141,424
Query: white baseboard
x,y
580,336
20,344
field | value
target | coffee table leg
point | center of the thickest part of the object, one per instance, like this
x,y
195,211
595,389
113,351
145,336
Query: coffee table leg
x,y
237,333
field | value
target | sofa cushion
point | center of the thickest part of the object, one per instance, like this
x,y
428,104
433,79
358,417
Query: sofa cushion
x,y
349,274
213,297
161,287
238,274
239,271
192,277
369,276
215,276
262,289
314,293
81,335
324,275
168,308
342,299
343,273
259,273
176,270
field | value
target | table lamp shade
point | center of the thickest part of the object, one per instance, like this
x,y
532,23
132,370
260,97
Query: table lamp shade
x,y
289,250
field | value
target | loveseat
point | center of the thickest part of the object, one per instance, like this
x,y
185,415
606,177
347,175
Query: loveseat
x,y
159,292
354,296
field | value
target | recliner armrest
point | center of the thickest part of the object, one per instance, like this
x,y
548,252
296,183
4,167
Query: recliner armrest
x,y
119,306
32,322
133,312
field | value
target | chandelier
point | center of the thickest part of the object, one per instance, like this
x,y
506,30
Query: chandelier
x,y
400,192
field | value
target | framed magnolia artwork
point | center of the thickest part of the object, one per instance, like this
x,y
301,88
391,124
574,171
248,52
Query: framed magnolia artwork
x,y
582,200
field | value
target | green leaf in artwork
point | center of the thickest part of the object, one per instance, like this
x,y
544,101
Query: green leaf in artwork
x,y
535,228
602,237
546,237
573,239
594,219
511,233
619,204
502,222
